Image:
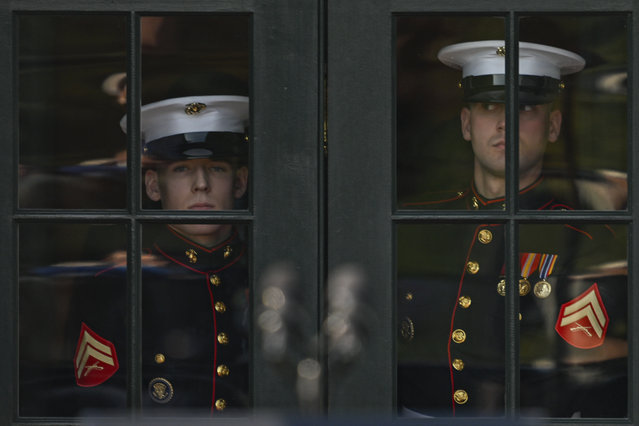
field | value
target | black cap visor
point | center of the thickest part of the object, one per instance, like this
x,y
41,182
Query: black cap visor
x,y
533,90
216,145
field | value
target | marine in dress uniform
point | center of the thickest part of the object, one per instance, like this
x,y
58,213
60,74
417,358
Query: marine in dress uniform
x,y
451,285
195,322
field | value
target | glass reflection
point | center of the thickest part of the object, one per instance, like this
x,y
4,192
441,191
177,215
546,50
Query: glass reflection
x,y
589,157
72,311
573,320
71,153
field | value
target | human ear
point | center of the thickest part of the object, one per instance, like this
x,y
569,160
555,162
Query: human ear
x,y
554,125
465,123
152,185
241,181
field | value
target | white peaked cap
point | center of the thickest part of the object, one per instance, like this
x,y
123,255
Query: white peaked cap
x,y
488,57
192,114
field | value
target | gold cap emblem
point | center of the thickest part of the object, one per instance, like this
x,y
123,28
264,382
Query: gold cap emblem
x,y
191,255
501,51
194,108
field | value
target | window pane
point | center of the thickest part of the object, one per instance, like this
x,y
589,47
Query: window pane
x,y
72,319
195,348
574,321
450,312
434,162
573,303
195,79
585,163
71,149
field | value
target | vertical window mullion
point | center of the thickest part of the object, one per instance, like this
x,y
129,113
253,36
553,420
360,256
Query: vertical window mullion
x,y
134,296
633,205
511,329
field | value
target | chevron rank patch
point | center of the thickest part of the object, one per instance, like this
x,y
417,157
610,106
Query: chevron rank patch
x,y
583,321
95,359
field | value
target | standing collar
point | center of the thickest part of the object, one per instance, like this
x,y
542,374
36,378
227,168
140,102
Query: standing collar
x,y
186,253
478,202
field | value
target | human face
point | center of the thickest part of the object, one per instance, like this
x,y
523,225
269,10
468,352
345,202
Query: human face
x,y
483,124
197,185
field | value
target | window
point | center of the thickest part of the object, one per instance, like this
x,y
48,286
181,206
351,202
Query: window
x,y
365,290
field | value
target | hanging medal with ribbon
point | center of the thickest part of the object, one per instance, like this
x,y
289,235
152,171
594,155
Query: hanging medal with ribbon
x,y
529,263
547,264
501,285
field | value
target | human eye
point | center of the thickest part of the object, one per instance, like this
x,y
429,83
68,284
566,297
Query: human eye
x,y
487,106
526,108
218,167
179,168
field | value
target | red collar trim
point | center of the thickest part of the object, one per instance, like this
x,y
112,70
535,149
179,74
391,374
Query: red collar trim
x,y
502,199
206,249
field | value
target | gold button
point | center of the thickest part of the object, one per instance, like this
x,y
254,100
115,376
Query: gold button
x,y
459,336
408,296
458,364
485,236
407,329
160,358
464,302
460,396
220,307
220,404
223,338
223,370
215,280
472,267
